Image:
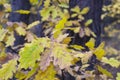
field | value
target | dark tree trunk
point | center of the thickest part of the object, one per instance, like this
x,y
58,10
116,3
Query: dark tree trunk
x,y
16,17
19,5
94,14
26,18
95,7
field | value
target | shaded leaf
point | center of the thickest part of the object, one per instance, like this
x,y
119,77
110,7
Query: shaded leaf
x,y
48,74
45,60
66,40
20,75
32,72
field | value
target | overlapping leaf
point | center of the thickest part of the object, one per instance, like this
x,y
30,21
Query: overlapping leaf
x,y
21,31
90,44
62,57
10,40
48,74
31,52
2,34
59,27
99,51
8,69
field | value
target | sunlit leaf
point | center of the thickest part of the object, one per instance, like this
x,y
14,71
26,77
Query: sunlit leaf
x,y
34,2
84,10
61,37
54,13
45,13
112,61
87,31
64,5
3,2
21,31
91,43
10,40
118,76
88,22
2,34
76,30
33,24
61,56
32,72
23,11
66,40
78,47
64,1
59,27
76,9
99,51
8,69
47,3
31,52
74,15
86,57
104,71
20,75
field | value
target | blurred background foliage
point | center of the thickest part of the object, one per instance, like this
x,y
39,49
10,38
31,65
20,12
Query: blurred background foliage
x,y
111,24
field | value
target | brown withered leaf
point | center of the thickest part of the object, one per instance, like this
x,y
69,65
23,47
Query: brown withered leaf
x,y
45,60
